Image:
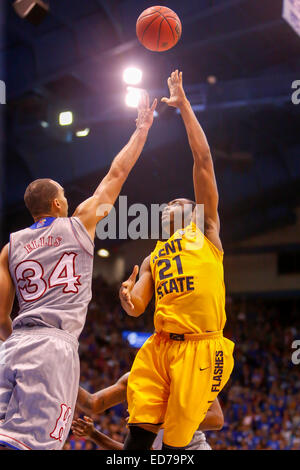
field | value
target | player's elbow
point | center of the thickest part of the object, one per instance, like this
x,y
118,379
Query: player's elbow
x,y
202,155
118,173
136,312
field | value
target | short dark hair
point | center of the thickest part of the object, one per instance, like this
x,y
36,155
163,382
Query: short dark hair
x,y
39,195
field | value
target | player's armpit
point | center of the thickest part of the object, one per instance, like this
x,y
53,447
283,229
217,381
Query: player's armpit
x,y
91,211
7,295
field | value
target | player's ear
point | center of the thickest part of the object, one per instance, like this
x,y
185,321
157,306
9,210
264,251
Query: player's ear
x,y
56,205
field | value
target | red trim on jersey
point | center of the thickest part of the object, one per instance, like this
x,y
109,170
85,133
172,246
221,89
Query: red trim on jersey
x,y
78,276
28,279
16,440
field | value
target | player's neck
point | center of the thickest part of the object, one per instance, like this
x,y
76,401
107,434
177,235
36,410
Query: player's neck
x,y
36,219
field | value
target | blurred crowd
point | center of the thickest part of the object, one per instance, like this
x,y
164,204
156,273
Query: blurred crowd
x,y
261,402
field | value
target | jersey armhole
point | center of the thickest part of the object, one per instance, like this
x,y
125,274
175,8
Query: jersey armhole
x,y
77,238
220,253
9,248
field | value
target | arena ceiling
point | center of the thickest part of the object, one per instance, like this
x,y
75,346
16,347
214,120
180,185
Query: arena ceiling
x,y
74,60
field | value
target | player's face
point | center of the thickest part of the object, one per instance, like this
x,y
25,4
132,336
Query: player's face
x,y
176,215
63,203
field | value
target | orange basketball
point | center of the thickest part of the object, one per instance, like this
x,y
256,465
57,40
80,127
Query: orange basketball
x,y
158,28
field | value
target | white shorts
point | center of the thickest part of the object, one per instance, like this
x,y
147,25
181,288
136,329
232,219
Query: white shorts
x,y
39,379
197,443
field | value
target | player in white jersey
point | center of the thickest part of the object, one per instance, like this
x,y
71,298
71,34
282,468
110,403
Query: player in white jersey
x,y
49,266
98,402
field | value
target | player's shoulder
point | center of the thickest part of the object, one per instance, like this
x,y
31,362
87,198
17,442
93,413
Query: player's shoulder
x,y
146,264
4,252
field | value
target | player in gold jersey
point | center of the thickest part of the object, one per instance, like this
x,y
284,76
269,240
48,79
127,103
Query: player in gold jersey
x,y
181,369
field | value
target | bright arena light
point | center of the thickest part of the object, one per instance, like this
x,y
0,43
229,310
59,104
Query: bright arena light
x,y
132,76
133,97
66,118
83,133
103,253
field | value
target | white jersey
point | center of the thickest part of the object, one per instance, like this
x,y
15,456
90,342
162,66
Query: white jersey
x,y
51,265
197,443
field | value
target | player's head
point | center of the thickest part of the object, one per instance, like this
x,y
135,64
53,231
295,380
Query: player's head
x,y
177,215
45,197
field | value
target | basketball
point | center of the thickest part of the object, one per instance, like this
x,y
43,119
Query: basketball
x,y
158,28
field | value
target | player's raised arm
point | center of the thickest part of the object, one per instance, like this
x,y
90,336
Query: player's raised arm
x,y
98,206
98,402
135,296
7,295
205,185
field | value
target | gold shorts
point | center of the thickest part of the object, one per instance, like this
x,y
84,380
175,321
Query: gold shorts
x,y
173,382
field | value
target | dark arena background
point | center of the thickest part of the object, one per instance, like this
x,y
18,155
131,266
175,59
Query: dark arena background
x,y
241,69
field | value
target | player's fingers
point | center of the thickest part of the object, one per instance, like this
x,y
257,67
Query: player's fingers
x,y
88,419
154,104
134,273
77,429
82,422
169,82
180,77
141,102
165,100
124,292
125,297
147,100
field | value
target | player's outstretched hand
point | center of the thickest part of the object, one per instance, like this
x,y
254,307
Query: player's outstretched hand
x,y
177,94
127,287
145,113
83,428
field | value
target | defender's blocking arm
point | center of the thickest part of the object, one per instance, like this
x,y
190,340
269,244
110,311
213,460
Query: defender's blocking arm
x,y
98,402
90,212
7,295
205,186
135,296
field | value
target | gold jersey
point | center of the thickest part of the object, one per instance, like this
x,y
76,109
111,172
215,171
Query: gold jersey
x,y
189,283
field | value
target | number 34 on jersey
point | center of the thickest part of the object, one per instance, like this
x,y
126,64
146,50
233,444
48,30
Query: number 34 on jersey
x,y
32,284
